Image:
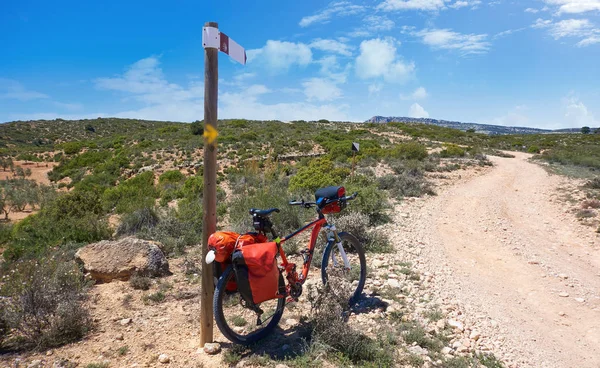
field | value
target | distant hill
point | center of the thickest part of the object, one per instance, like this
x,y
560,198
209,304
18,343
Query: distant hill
x,y
480,128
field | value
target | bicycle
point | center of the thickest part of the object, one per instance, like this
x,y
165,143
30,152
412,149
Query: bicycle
x,y
343,261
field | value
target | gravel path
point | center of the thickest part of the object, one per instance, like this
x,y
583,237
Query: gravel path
x,y
508,261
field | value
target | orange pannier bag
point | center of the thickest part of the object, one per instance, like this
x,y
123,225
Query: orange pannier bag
x,y
223,243
257,275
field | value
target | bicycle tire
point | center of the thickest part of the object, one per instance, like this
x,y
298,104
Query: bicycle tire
x,y
221,321
363,263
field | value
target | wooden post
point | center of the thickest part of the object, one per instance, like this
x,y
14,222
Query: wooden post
x,y
209,222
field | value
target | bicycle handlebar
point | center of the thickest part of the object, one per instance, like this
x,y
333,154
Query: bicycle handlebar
x,y
312,204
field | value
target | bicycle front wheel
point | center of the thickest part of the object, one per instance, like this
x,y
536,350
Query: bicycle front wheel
x,y
240,324
344,267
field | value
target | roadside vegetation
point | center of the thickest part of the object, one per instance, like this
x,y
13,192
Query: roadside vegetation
x,y
120,177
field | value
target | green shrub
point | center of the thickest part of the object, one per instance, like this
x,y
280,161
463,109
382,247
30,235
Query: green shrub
x,y
409,151
452,150
357,224
318,174
328,308
593,183
533,149
371,201
140,282
43,303
410,183
133,194
71,148
74,217
139,220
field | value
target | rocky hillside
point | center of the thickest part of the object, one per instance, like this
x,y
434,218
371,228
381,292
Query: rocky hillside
x,y
479,128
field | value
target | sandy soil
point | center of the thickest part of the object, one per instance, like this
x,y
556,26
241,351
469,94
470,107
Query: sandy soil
x,y
39,171
523,268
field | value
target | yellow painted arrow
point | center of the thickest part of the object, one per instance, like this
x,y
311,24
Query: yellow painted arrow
x,y
210,133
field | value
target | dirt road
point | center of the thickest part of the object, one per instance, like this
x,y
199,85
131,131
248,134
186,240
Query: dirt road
x,y
524,271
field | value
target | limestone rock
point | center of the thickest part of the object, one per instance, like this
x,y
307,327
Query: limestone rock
x,y
109,260
212,348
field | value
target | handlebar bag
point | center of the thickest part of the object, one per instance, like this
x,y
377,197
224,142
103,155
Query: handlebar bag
x,y
327,199
256,272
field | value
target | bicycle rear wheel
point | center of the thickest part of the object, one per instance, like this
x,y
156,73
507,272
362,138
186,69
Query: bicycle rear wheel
x,y
344,267
238,323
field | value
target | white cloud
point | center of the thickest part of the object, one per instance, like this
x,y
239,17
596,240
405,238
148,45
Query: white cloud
x,y
577,114
574,28
244,76
144,80
378,59
335,9
575,6
588,41
69,106
531,10
321,89
425,5
417,111
371,25
446,39
331,46
508,32
278,56
515,117
418,94
474,4
246,105
378,23
375,88
12,89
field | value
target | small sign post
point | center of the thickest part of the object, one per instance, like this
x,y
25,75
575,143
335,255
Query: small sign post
x,y
213,41
355,148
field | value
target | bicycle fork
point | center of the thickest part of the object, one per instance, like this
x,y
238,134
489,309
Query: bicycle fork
x,y
332,236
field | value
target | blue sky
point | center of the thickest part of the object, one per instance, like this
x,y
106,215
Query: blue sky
x,y
529,63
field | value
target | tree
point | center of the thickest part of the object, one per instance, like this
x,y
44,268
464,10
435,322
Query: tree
x,y
597,131
19,172
585,130
197,127
5,205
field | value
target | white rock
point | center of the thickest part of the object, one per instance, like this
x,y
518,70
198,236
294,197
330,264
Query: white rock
x,y
563,294
212,348
456,324
562,314
35,364
580,300
475,335
125,321
446,350
563,276
394,283
164,358
119,337
441,324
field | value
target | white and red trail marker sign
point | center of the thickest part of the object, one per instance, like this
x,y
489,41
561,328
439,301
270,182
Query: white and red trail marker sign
x,y
213,38
213,41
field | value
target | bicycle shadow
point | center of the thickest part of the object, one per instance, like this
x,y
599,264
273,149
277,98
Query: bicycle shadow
x,y
287,342
283,343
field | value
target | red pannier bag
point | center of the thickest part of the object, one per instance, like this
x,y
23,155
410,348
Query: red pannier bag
x,y
224,243
258,277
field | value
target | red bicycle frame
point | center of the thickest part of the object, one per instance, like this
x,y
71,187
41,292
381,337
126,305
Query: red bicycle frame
x,y
290,268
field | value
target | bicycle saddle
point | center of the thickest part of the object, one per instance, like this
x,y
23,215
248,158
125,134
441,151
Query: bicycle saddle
x,y
257,212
